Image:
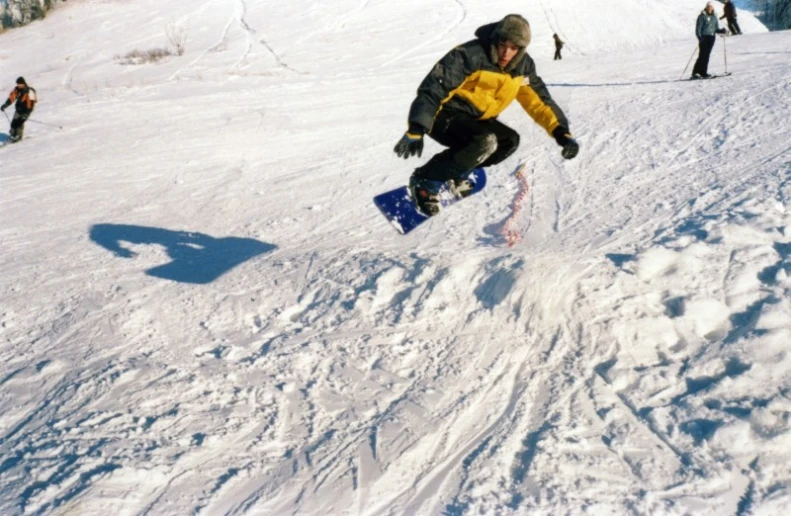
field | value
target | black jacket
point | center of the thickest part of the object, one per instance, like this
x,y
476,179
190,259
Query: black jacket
x,y
469,81
25,100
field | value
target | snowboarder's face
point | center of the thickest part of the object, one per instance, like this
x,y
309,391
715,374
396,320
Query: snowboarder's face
x,y
709,8
20,86
506,52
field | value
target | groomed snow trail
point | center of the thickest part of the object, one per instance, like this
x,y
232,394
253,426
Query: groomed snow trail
x,y
202,311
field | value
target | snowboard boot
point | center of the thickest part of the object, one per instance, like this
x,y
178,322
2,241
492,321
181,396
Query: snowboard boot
x,y
462,187
425,194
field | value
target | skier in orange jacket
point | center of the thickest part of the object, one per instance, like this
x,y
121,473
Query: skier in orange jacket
x,y
25,98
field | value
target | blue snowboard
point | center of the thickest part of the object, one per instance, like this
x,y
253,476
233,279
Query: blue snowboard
x,y
401,211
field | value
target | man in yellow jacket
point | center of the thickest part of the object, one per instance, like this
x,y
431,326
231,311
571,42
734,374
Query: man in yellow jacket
x,y
458,102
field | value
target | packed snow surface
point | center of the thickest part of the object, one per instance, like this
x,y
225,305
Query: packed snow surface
x,y
202,312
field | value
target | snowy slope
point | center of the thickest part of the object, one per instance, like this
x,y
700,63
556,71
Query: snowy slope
x,y
202,312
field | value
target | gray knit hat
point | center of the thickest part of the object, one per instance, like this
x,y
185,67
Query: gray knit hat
x,y
513,28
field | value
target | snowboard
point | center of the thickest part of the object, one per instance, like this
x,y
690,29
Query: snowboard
x,y
402,213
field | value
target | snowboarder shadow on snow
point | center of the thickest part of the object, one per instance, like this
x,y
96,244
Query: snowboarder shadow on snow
x,y
196,257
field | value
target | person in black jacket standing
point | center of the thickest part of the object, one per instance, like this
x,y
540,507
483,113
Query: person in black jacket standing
x,y
25,100
458,102
730,14
558,46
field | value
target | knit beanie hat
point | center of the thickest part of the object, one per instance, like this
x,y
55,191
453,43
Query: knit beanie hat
x,y
513,28
21,80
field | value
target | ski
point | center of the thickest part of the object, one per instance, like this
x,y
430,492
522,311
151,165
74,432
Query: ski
x,y
713,76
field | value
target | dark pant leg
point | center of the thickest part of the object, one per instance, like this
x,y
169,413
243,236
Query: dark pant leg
x,y
702,64
507,142
470,143
18,125
557,54
733,26
708,45
696,67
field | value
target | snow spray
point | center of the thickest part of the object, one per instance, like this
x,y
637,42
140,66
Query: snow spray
x,y
511,229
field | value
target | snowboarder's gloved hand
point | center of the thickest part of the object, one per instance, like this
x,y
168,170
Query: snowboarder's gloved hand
x,y
564,139
411,143
2,108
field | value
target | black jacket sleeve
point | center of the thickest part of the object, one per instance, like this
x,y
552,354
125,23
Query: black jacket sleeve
x,y
448,74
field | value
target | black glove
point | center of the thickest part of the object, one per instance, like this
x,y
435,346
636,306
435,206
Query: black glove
x,y
564,139
722,31
2,108
411,143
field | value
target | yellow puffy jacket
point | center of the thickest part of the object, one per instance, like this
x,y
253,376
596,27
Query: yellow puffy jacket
x,y
469,81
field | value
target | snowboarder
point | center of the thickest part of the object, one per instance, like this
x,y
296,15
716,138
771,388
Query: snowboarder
x,y
706,29
458,102
730,14
25,98
558,46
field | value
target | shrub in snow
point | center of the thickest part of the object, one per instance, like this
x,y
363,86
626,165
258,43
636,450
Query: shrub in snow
x,y
177,37
136,57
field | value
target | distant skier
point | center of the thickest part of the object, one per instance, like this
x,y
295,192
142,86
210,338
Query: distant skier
x,y
25,98
730,14
558,46
458,102
706,29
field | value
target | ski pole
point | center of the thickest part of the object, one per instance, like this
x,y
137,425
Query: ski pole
x,y
44,123
725,53
690,60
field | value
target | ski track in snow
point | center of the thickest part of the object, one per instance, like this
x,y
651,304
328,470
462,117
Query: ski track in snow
x,y
203,313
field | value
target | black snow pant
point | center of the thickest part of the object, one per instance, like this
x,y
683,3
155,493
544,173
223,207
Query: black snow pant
x,y
702,64
18,125
470,143
733,25
557,54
